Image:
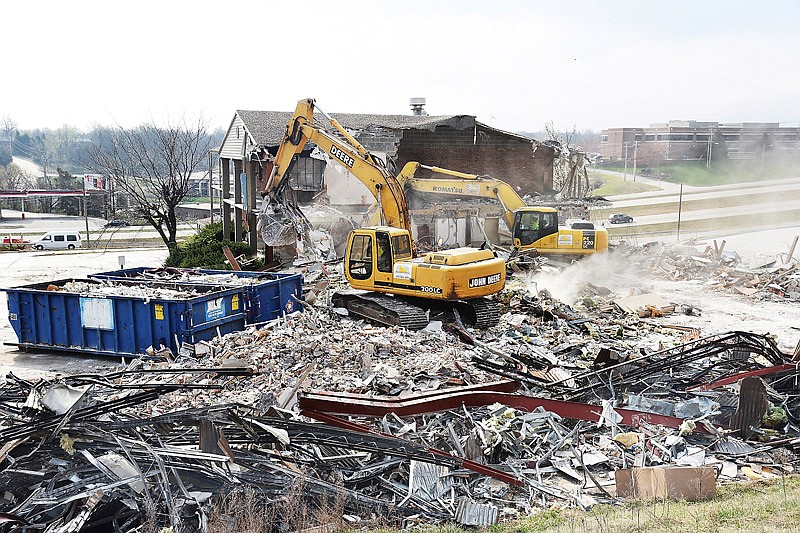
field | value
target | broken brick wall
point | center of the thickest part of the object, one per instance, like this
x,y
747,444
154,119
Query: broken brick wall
x,y
481,151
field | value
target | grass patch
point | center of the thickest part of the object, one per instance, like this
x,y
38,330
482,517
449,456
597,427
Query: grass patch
x,y
611,185
753,507
720,173
738,507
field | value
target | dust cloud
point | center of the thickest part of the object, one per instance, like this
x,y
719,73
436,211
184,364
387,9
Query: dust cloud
x,y
607,270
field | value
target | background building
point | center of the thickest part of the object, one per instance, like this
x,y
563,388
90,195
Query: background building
x,y
691,140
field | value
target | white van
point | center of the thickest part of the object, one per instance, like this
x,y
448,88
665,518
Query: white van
x,y
58,240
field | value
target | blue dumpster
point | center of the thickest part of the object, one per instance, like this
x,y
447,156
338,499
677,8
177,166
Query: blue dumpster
x,y
120,325
268,295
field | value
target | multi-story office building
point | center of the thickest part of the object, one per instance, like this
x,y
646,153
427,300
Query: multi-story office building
x,y
680,140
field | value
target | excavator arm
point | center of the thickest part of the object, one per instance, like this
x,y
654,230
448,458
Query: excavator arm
x,y
523,220
370,170
464,185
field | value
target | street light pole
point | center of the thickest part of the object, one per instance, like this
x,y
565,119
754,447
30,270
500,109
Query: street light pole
x,y
708,153
635,146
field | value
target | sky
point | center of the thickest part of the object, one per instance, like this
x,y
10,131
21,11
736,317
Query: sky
x,y
514,64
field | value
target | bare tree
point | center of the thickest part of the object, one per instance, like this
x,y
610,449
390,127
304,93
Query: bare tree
x,y
570,177
9,129
13,178
152,166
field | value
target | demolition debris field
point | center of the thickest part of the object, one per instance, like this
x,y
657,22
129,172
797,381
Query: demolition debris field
x,y
653,358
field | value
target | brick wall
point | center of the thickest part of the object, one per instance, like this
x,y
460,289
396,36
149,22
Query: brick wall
x,y
480,151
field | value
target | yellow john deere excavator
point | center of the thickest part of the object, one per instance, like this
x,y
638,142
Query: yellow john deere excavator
x,y
532,227
393,287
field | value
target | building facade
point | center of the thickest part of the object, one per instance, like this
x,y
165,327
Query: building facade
x,y
691,140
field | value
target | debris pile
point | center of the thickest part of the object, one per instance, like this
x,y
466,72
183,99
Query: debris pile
x,y
102,288
772,278
318,420
193,276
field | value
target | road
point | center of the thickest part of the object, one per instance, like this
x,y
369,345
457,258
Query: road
x,y
705,193
760,215
36,224
754,210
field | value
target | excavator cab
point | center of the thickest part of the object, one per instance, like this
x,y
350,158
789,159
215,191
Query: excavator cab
x,y
533,225
372,253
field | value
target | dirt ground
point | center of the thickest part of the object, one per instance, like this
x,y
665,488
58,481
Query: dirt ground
x,y
719,311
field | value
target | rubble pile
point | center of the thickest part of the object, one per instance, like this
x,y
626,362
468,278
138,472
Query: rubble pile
x,y
774,278
319,420
184,275
102,288
319,350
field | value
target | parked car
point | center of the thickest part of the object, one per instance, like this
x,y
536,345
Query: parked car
x,y
58,240
116,223
619,218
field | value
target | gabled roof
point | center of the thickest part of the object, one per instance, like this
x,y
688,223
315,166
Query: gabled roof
x,y
267,127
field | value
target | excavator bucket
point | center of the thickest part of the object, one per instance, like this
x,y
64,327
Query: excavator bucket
x,y
281,224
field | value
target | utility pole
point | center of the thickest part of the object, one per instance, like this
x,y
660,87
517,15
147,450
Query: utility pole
x,y
211,184
625,172
680,205
86,213
635,146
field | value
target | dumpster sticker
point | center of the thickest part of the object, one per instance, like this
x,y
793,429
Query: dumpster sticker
x,y
97,313
215,309
235,302
159,309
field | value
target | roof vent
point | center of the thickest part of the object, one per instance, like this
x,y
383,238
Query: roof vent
x,y
417,106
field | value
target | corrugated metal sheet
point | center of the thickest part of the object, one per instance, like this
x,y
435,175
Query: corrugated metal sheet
x,y
428,481
734,447
470,513
753,403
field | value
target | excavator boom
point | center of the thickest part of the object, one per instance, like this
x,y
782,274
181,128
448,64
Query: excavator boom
x,y
370,170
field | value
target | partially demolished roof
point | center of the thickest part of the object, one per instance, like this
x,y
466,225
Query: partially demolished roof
x,y
267,127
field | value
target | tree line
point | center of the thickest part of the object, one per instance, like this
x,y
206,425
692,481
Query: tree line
x,y
149,165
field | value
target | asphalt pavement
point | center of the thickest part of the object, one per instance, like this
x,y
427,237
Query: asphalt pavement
x,y
33,225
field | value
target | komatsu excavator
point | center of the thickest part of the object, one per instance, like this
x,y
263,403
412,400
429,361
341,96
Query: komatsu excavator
x,y
532,227
392,286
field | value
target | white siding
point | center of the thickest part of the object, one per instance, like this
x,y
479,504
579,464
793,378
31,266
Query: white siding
x,y
231,147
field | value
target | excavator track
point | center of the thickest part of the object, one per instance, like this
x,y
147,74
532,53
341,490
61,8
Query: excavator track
x,y
479,312
384,309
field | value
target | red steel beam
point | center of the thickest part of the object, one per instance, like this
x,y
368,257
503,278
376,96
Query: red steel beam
x,y
736,377
370,406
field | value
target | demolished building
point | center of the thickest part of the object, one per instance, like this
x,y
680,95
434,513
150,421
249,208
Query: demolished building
x,y
459,142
